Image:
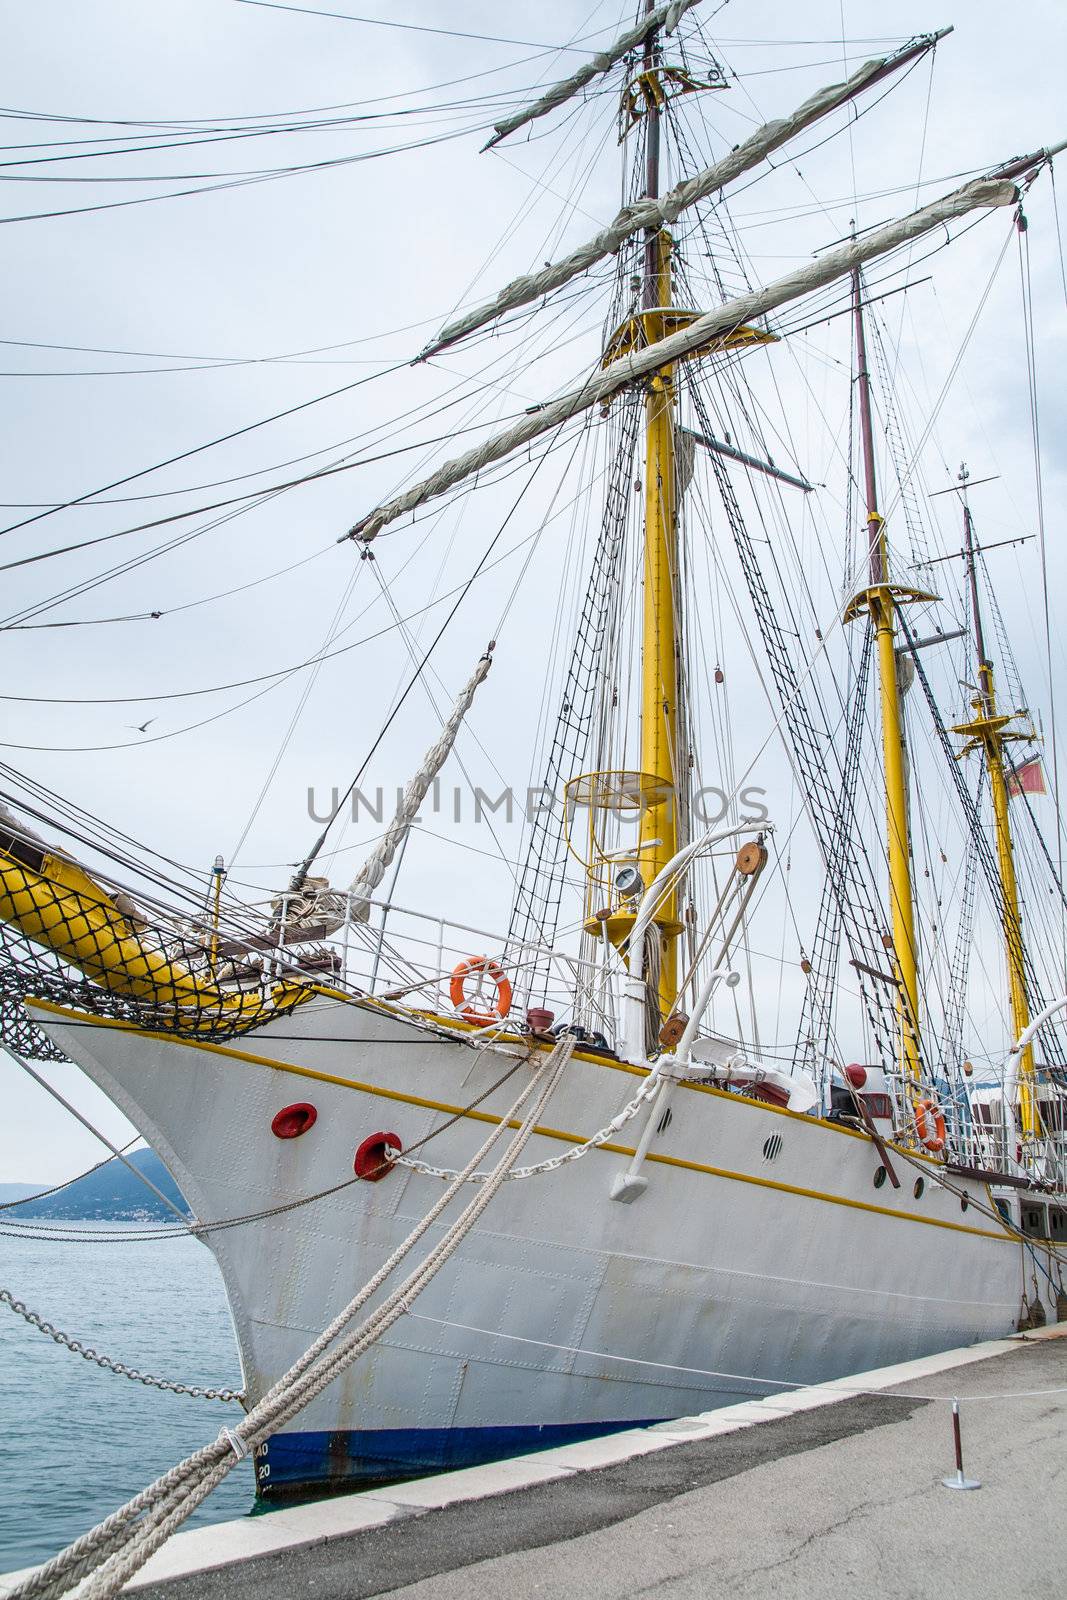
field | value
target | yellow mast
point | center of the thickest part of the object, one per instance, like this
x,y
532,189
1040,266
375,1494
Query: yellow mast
x,y
656,790
989,731
658,836
880,601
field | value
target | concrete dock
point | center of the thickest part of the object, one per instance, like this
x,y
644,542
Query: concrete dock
x,y
821,1492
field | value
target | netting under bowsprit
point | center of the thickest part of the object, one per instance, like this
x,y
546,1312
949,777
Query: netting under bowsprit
x,y
66,938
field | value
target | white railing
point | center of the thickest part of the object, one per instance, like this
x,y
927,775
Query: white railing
x,y
410,955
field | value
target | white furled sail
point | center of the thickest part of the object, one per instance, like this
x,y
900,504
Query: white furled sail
x,y
656,213
979,193
377,863
669,15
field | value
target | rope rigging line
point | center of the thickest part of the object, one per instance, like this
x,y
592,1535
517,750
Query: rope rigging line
x,y
57,1188
957,361
43,1230
17,114
239,182
1050,1034
187,142
271,679
268,490
816,1024
959,972
1019,793
210,444
538,898
809,747
416,27
309,859
298,710
838,1386
253,499
1039,498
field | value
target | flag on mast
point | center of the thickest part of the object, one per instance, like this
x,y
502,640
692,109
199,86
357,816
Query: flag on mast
x,y
1027,778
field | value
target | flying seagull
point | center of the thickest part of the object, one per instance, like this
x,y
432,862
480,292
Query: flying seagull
x,y
140,727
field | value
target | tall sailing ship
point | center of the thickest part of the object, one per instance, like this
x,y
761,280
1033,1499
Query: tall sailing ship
x,y
703,1213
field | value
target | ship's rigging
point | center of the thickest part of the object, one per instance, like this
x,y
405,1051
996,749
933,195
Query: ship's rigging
x,y
825,726
724,1161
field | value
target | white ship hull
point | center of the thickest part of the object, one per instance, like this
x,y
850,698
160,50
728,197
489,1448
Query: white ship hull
x,y
745,1264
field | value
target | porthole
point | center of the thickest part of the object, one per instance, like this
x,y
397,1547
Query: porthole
x,y
665,1121
920,1185
772,1147
879,1177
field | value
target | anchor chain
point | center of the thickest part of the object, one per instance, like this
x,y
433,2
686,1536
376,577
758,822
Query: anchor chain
x,y
89,1354
660,1072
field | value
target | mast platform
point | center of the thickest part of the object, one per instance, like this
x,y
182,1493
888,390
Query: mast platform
x,y
649,327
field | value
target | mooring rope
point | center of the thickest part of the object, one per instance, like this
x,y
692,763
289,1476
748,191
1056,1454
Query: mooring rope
x,y
105,1558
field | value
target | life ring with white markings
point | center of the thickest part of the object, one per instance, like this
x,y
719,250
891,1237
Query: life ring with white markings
x,y
480,968
927,1113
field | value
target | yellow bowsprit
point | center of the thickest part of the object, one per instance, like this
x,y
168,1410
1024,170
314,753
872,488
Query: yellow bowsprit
x,y
55,902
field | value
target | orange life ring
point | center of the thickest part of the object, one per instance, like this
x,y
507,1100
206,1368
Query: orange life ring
x,y
929,1109
485,967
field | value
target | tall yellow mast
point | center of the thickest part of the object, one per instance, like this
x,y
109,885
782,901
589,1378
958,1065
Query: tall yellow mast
x,y
658,836
880,601
989,731
656,790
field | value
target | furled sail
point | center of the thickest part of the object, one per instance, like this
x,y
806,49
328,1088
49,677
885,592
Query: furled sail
x,y
656,213
376,865
669,15
701,335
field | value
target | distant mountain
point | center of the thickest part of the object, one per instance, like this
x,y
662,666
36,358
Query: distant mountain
x,y
111,1194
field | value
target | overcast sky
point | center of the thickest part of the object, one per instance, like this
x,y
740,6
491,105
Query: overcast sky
x,y
198,296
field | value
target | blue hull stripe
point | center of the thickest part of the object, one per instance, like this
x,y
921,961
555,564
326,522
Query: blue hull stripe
x,y
292,1463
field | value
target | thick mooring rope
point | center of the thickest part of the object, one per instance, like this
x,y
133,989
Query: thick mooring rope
x,y
102,1560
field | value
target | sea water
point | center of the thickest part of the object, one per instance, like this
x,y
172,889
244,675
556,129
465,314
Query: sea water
x,y
77,1441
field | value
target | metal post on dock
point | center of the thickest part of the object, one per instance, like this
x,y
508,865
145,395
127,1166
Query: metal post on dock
x,y
959,1481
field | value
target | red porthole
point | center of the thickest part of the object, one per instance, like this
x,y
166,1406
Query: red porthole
x,y
292,1121
372,1158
